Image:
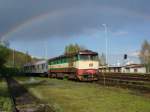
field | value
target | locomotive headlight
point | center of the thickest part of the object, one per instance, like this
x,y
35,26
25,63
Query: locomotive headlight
x,y
91,65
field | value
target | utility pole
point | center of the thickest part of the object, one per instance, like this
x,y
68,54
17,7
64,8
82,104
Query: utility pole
x,y
45,45
27,57
13,57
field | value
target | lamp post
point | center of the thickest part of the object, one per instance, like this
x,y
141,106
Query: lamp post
x,y
13,57
106,42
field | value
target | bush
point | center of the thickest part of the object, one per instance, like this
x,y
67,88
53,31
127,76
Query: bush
x,y
10,71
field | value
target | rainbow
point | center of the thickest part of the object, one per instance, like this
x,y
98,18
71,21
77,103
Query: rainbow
x,y
27,23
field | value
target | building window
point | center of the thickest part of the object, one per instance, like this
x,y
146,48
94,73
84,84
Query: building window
x,y
128,69
135,70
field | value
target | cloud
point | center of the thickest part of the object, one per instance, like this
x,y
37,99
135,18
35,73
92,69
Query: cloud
x,y
120,33
134,54
46,19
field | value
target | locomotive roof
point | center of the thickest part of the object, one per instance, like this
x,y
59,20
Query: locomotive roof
x,y
84,52
87,52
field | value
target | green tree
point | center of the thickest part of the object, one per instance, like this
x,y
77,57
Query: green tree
x,y
19,59
4,53
145,55
73,48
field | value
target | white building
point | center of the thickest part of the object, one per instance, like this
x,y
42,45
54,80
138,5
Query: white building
x,y
130,68
134,68
110,69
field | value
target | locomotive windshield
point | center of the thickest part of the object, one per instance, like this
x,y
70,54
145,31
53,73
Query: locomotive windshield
x,y
88,57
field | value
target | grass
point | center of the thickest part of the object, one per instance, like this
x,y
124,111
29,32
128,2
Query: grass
x,y
70,96
5,101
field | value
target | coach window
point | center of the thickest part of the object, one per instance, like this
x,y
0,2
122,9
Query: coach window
x,y
52,62
59,60
55,61
64,60
42,66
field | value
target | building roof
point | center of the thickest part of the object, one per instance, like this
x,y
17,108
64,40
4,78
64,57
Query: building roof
x,y
110,67
134,66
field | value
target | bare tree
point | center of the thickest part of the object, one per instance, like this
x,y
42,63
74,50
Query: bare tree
x,y
102,59
145,55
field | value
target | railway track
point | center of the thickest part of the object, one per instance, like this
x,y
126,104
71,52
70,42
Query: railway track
x,y
23,100
134,81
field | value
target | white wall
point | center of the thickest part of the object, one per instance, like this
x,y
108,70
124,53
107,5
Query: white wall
x,y
132,70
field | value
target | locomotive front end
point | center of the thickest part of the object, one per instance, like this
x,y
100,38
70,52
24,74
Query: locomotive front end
x,y
87,66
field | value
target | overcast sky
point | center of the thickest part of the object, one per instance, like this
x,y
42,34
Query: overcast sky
x,y
32,25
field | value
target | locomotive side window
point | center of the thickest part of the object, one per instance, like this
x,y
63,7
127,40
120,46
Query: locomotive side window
x,y
63,60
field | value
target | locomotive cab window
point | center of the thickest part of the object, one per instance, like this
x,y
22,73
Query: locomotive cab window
x,y
88,57
94,57
84,57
